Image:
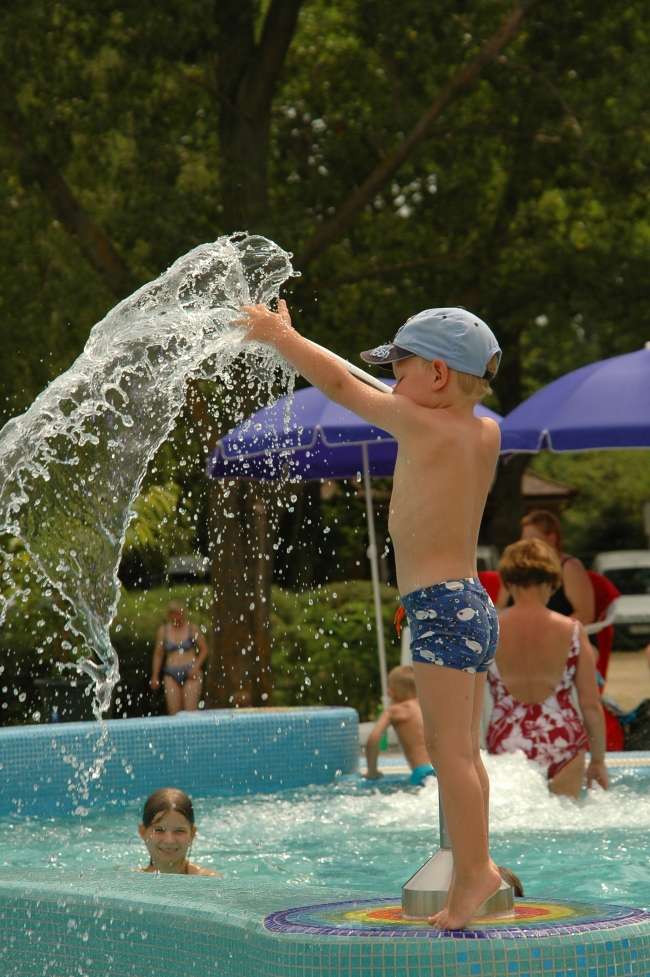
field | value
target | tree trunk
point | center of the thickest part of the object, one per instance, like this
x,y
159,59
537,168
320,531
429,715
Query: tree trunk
x,y
242,531
39,166
241,540
507,502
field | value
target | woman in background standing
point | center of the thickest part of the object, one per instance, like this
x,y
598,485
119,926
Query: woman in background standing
x,y
177,644
575,595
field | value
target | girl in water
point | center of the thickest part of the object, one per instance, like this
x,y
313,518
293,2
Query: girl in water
x,y
183,649
168,831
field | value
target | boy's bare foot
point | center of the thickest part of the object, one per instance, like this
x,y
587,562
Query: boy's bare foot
x,y
434,919
465,900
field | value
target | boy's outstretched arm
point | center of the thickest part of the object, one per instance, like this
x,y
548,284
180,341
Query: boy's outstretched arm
x,y
318,367
372,746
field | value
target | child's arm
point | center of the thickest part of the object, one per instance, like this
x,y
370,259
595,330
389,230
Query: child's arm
x,y
323,370
372,746
592,711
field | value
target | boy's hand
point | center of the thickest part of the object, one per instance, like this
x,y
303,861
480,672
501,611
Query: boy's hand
x,y
263,325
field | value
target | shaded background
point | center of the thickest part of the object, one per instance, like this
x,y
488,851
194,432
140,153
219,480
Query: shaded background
x,y
131,133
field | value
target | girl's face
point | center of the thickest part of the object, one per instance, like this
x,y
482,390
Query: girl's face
x,y
168,839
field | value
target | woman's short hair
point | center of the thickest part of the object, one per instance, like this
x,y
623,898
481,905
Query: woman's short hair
x,y
530,562
164,800
177,605
548,522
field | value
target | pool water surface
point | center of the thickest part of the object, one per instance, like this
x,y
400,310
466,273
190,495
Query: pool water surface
x,y
357,838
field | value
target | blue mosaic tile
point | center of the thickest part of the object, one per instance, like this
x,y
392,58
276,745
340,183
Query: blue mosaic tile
x,y
205,753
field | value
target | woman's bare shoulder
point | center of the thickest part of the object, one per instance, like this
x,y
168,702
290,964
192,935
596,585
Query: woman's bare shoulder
x,y
572,564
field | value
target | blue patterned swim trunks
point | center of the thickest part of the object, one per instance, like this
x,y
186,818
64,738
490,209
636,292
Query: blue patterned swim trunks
x,y
454,624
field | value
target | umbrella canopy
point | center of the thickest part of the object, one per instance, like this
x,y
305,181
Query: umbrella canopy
x,y
311,434
603,405
316,438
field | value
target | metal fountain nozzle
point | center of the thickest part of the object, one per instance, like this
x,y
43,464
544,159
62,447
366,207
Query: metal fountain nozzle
x,y
425,893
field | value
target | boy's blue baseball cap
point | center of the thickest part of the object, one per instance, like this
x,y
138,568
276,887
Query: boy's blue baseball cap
x,y
456,336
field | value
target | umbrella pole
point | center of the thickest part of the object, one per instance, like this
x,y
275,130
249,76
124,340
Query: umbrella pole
x,y
374,569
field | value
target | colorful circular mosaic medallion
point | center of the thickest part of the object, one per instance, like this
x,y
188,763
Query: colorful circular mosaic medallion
x,y
383,917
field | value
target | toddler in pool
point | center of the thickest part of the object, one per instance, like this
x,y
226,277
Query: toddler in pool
x,y
443,360
405,716
168,831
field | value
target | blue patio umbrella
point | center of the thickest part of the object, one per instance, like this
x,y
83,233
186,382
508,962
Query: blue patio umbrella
x,y
603,405
314,438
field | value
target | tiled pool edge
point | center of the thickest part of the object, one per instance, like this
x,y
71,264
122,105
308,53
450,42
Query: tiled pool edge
x,y
63,932
47,770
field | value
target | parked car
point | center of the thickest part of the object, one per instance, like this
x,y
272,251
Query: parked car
x,y
629,570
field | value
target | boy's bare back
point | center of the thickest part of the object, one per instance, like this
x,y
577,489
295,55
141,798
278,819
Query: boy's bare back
x,y
406,718
444,469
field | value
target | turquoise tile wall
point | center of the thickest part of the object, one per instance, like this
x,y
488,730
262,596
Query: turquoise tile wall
x,y
45,770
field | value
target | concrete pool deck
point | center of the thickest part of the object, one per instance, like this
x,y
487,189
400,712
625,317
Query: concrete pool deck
x,y
628,678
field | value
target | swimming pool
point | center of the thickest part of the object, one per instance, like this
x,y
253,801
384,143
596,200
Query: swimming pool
x,y
311,874
353,838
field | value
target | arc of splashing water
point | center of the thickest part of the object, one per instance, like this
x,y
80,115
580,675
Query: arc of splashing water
x,y
72,465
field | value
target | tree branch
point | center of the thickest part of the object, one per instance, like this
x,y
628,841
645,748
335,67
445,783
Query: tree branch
x,y
36,165
566,108
385,171
278,30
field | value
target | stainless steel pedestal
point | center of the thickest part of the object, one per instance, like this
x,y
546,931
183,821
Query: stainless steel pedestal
x,y
425,893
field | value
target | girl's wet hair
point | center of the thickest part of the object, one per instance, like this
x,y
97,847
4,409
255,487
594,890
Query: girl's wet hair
x,y
164,800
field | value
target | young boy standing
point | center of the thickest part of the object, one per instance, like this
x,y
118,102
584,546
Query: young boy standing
x,y
443,360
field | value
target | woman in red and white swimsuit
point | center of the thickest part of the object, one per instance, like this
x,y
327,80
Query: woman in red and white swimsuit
x,y
540,657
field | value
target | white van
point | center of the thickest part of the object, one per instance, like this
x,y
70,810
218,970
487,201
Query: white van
x,y
629,570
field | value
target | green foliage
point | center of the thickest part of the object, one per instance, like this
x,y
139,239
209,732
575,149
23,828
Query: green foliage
x,y
608,513
139,615
528,202
33,641
153,510
324,646
161,527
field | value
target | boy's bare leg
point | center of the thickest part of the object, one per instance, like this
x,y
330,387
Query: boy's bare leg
x,y
449,701
480,681
479,692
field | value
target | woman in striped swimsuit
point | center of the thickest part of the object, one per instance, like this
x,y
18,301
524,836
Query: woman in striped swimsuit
x,y
541,656
177,644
